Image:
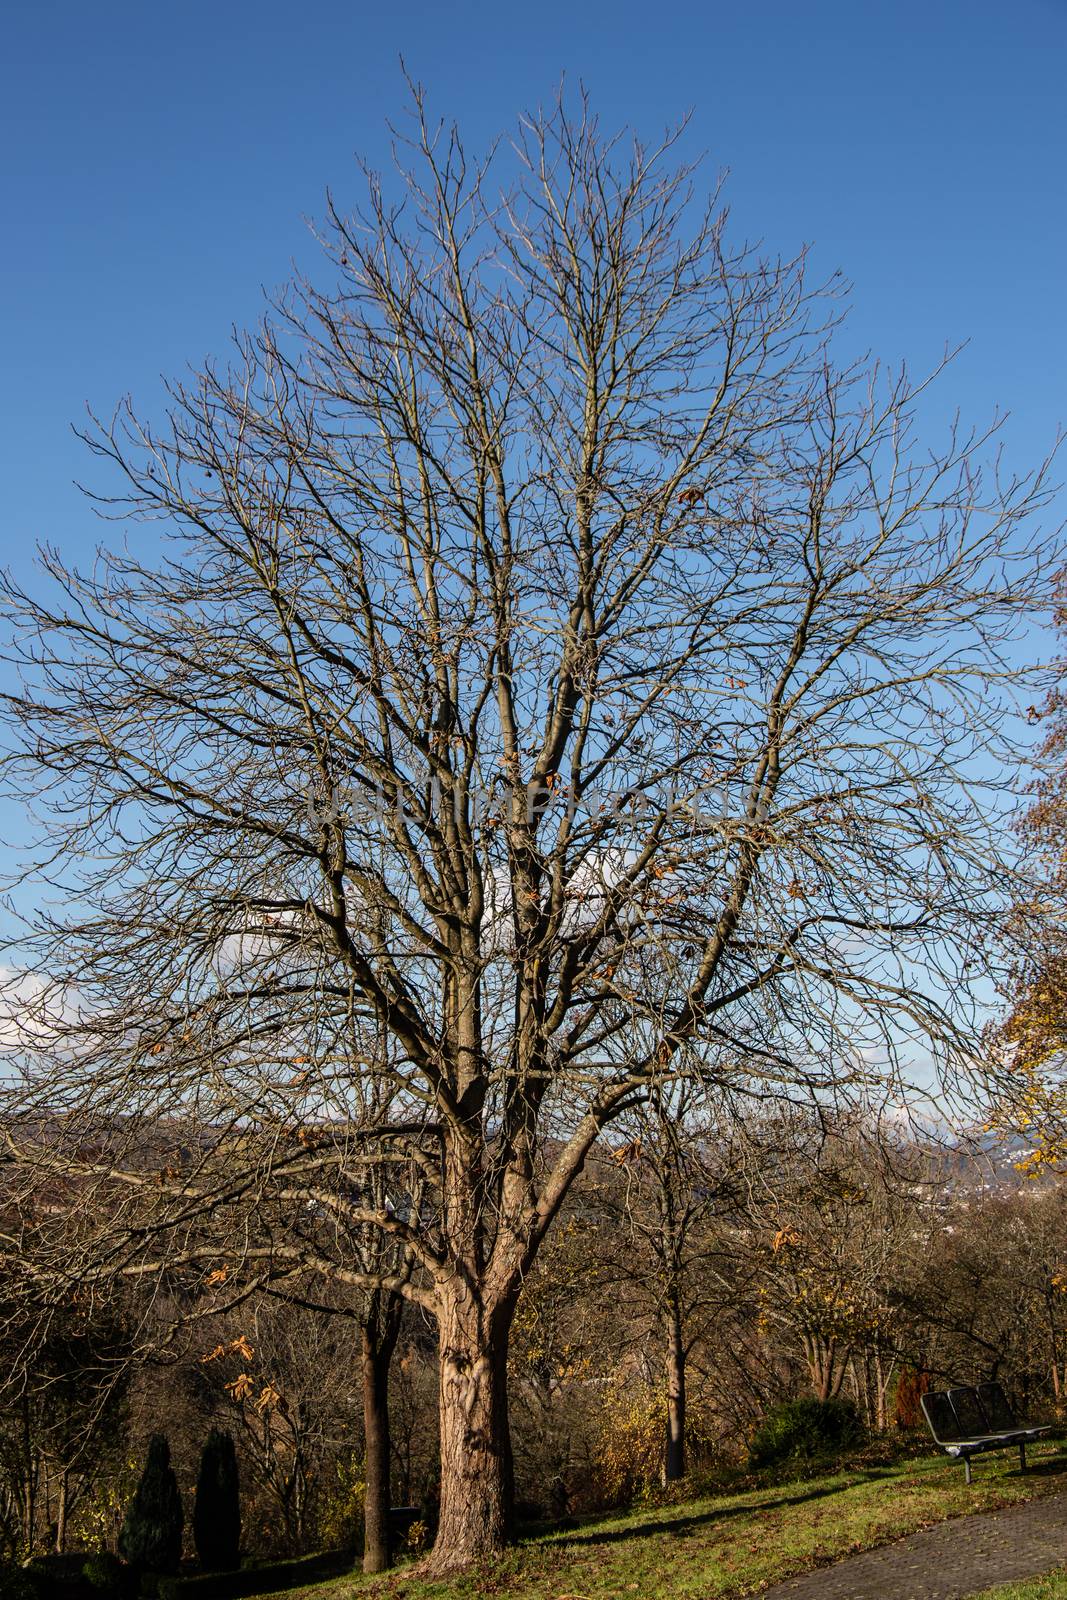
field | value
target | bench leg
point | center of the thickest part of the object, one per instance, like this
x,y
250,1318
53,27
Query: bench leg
x,y
1022,1458
967,1467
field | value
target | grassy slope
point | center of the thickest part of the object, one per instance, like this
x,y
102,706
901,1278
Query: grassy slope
x,y
1053,1587
733,1544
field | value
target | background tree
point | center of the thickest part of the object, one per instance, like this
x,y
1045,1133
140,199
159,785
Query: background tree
x,y
569,1336
838,1212
290,1389
63,1394
557,665
1034,1033
674,1179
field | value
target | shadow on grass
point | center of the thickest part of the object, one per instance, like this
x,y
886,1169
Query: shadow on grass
x,y
1046,1467
272,1577
685,1521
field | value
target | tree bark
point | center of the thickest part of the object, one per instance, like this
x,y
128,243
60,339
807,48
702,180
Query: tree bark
x,y
674,1455
61,1514
379,1336
477,1486
30,1506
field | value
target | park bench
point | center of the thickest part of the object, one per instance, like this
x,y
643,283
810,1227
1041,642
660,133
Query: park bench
x,y
964,1422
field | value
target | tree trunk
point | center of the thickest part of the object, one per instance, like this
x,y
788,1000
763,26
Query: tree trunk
x,y
883,1380
379,1336
826,1374
61,1515
30,1505
674,1456
477,1489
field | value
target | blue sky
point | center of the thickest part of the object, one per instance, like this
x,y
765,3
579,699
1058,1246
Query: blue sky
x,y
157,164
158,161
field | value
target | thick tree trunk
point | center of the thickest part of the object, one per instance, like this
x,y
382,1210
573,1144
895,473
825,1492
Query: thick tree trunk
x,y
379,1336
674,1455
477,1489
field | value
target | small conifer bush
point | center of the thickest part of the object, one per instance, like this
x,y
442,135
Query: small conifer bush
x,y
151,1537
217,1511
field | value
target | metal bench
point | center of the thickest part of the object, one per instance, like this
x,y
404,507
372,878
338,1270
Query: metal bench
x,y
964,1422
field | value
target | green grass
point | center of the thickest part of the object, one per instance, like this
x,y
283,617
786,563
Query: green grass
x,y
1053,1585
731,1544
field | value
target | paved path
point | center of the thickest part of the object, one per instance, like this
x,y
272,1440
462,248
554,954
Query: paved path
x,y
949,1562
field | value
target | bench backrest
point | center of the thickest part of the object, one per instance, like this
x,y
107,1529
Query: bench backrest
x,y
967,1413
997,1408
940,1417
970,1413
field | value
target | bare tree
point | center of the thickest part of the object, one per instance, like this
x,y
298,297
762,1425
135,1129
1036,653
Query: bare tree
x,y
556,664
839,1211
674,1178
62,1398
